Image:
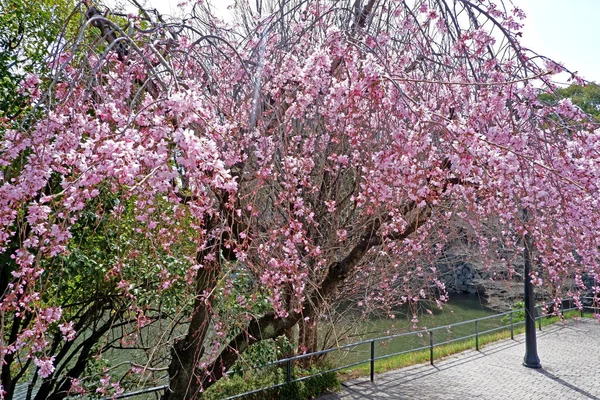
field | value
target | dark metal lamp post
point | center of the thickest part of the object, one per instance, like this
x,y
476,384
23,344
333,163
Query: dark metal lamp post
x,y
531,359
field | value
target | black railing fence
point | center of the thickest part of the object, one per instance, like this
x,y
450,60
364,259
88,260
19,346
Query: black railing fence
x,y
429,340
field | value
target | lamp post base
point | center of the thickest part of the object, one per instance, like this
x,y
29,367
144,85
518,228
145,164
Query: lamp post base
x,y
533,366
532,362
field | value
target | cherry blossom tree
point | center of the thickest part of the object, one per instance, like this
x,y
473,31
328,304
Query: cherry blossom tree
x,y
256,170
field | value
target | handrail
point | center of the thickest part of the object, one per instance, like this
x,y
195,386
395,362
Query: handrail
x,y
423,332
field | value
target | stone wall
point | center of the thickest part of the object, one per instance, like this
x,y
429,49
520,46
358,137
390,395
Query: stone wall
x,y
492,285
463,277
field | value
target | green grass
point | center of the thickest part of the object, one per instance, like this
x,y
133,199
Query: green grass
x,y
441,351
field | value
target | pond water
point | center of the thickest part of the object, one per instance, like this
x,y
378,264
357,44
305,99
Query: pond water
x,y
460,308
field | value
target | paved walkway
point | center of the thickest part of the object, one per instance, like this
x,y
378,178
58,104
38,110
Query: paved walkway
x,y
569,353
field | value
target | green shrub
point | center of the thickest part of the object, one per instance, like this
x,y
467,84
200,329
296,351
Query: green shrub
x,y
302,390
518,313
319,384
237,384
262,353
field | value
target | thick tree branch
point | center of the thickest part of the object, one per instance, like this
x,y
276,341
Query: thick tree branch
x,y
270,326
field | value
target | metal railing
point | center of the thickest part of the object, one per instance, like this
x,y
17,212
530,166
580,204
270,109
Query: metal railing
x,y
288,363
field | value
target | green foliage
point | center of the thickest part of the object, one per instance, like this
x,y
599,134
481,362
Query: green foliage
x,y
585,97
311,387
28,31
306,389
84,283
237,384
238,295
518,314
262,353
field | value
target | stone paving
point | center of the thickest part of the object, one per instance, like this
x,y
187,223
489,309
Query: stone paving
x,y
569,354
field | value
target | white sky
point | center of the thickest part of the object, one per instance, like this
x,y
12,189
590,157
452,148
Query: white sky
x,y
567,31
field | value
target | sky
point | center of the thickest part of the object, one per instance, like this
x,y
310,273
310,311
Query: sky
x,y
567,31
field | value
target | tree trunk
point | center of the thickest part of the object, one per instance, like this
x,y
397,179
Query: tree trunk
x,y
289,332
186,379
308,335
291,337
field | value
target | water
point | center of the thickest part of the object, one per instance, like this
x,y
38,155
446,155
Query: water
x,y
460,308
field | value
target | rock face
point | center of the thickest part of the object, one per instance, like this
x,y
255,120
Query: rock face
x,y
493,286
463,277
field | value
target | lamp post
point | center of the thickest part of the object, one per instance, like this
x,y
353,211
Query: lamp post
x,y
531,359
